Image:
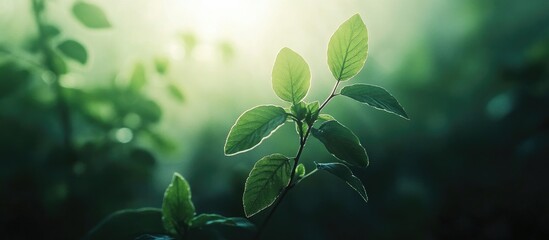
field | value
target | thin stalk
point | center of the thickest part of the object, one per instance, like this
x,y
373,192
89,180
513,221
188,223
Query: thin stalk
x,y
62,105
291,184
306,176
332,94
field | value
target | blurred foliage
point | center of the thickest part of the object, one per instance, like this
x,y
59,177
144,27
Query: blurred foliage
x,y
471,163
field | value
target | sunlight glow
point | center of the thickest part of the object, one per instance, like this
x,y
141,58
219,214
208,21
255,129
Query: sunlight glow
x,y
213,20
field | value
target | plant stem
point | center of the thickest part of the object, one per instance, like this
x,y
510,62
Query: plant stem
x,y
333,94
306,176
63,108
291,183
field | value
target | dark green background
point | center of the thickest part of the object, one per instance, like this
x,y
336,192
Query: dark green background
x,y
470,164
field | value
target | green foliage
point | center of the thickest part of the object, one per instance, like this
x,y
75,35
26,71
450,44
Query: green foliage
x,y
123,225
268,177
90,15
205,220
138,78
273,176
344,173
300,170
299,110
161,64
374,96
177,218
51,31
326,117
177,207
348,49
74,50
312,112
59,67
252,127
291,76
176,92
342,143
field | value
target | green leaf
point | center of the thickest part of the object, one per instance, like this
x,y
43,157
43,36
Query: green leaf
x,y
301,128
177,207
128,224
348,49
161,64
204,220
326,117
312,112
252,127
176,92
51,31
74,50
374,96
265,182
92,16
58,64
344,173
342,143
138,78
300,170
291,76
299,110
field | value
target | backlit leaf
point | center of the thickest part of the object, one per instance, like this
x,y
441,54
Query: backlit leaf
x,y
252,127
177,207
344,173
291,76
348,49
374,96
342,143
266,180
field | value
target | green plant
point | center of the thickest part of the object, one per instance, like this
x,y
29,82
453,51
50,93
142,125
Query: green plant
x,y
273,176
67,139
176,219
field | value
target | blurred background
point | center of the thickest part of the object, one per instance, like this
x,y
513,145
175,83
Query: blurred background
x,y
163,84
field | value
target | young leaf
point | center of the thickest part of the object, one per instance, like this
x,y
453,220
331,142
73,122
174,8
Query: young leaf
x,y
301,128
176,92
291,76
342,143
348,49
58,64
374,96
204,220
268,177
326,117
138,78
312,112
51,31
344,173
300,170
177,207
128,224
90,15
74,50
299,110
161,64
252,127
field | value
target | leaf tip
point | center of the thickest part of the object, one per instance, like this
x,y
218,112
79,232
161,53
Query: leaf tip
x,y
176,175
